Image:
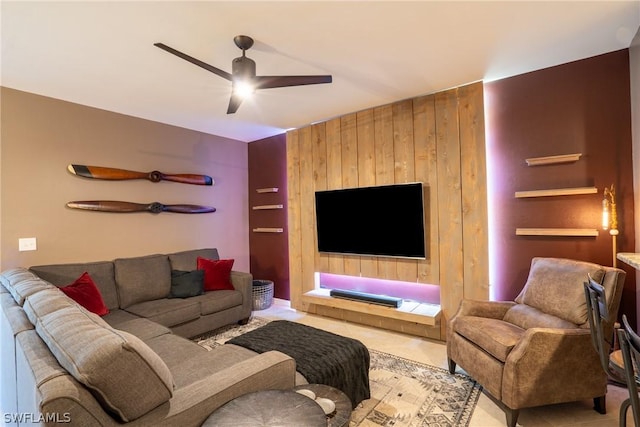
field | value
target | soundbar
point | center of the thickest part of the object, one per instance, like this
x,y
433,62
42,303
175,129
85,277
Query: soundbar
x,y
365,297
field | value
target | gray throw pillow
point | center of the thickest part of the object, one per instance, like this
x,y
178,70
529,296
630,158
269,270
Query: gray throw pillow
x,y
186,284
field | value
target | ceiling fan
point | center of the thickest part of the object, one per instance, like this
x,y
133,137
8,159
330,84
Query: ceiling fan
x,y
243,74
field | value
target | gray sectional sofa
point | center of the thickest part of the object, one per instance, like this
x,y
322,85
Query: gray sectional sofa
x,y
64,364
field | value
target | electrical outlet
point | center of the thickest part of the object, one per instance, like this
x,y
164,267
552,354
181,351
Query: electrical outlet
x,y
27,244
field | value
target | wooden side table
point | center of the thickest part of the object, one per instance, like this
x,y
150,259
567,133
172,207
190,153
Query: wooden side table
x,y
342,414
267,408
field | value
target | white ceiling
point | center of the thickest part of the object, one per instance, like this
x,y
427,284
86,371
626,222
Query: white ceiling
x,y
101,54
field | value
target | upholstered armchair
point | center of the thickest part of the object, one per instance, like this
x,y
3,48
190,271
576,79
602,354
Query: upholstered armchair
x,y
537,350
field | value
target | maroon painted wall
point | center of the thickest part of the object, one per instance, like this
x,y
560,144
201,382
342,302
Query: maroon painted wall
x,y
579,107
269,252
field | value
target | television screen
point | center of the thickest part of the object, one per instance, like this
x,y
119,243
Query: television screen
x,y
385,220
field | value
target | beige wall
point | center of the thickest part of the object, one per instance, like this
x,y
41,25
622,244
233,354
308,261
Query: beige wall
x,y
41,136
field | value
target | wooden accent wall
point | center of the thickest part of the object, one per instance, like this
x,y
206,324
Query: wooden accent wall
x,y
436,139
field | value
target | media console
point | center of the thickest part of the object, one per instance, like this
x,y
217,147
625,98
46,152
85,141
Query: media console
x,y
366,297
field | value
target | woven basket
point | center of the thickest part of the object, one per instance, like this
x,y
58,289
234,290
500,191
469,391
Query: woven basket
x,y
262,294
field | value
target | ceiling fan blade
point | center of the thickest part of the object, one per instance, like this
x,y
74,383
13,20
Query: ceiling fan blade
x,y
267,82
234,103
195,61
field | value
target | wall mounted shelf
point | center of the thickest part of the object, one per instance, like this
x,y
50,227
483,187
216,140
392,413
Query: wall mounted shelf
x,y
267,190
263,207
268,230
550,160
412,311
556,192
576,232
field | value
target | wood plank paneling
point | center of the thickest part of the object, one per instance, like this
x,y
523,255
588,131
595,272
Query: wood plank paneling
x,y
449,203
385,169
424,139
307,211
435,139
404,170
293,218
366,173
474,192
334,180
319,154
349,135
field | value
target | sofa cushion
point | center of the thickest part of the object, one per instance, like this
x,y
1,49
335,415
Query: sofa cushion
x,y
173,349
21,283
118,316
187,260
556,286
217,273
143,278
191,369
123,373
85,292
144,329
185,284
18,320
527,317
495,336
101,272
45,302
214,302
167,311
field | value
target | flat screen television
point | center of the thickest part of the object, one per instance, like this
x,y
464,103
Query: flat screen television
x,y
384,220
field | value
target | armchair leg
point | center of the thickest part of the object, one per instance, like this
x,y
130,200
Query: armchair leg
x,y
600,404
243,321
452,366
512,416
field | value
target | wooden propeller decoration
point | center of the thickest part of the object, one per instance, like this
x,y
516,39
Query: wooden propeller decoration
x,y
98,172
126,207
243,73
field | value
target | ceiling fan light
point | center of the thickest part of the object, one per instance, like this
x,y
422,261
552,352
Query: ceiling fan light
x,y
243,89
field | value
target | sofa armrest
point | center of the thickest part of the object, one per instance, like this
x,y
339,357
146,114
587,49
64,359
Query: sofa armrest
x,y
536,369
243,282
192,404
488,309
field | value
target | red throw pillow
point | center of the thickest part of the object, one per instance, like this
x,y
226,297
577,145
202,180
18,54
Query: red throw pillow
x,y
85,292
217,273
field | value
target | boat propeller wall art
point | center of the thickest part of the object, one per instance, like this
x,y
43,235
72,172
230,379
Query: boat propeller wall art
x,y
105,173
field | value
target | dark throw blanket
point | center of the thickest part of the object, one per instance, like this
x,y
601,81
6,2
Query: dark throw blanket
x,y
322,357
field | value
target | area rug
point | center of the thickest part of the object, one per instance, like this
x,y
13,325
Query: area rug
x,y
404,393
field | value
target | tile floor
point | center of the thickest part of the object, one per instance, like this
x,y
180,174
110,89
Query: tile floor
x,y
486,414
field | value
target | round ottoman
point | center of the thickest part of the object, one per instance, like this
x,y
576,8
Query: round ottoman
x,y
267,408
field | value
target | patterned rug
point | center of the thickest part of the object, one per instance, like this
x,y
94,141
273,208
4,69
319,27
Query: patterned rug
x,y
404,393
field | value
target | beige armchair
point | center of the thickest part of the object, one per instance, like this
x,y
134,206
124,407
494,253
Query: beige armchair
x,y
536,350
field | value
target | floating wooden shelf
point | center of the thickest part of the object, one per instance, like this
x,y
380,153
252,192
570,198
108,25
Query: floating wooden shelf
x,y
556,192
579,232
411,311
268,230
550,160
262,207
267,190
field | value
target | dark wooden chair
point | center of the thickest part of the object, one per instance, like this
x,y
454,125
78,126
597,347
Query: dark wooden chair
x,y
598,315
630,347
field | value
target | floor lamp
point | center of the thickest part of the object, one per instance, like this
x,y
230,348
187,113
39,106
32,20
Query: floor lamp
x,y
610,218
